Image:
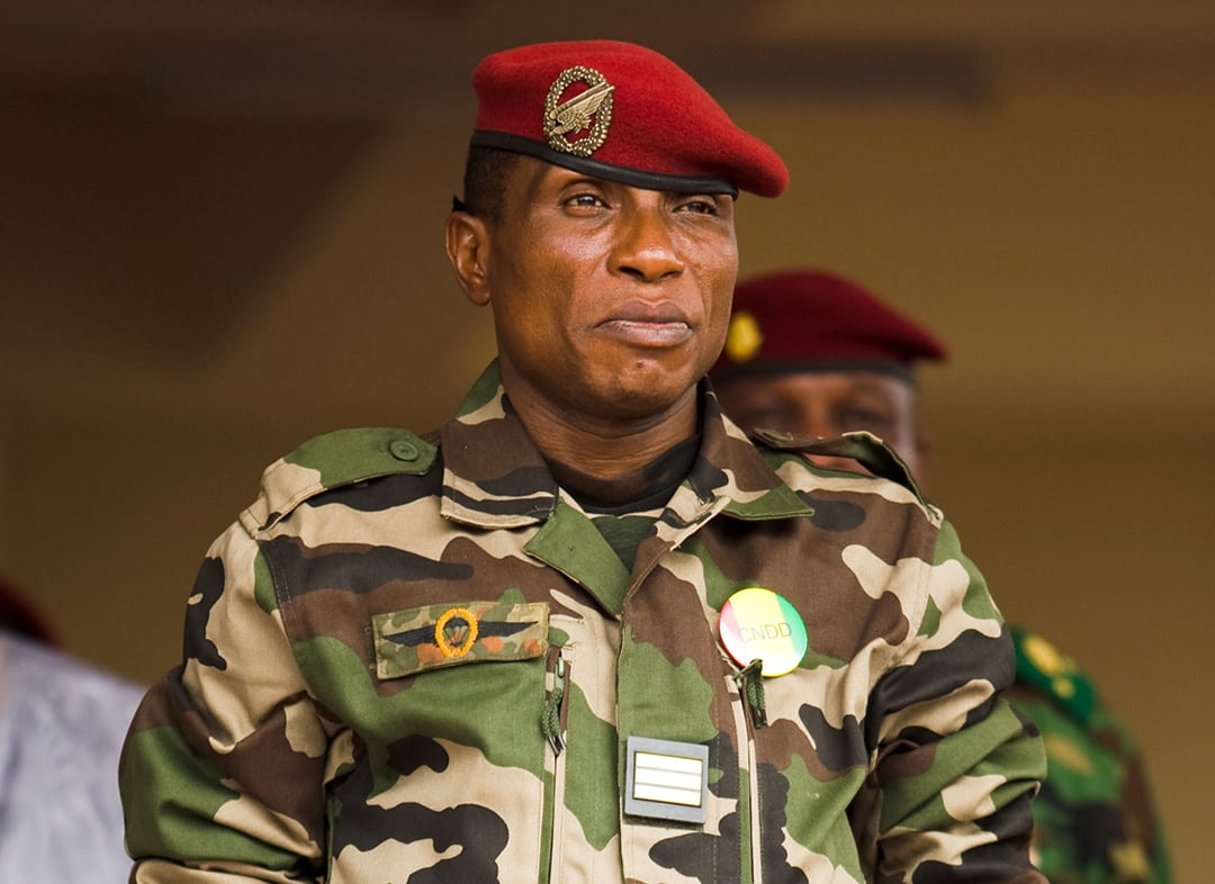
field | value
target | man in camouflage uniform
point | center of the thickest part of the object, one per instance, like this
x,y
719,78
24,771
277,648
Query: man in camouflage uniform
x,y
493,652
810,352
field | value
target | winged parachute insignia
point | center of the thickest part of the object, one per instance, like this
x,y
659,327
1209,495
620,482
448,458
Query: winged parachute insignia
x,y
417,639
455,631
575,114
590,109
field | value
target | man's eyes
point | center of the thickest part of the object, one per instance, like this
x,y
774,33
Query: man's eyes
x,y
863,419
700,207
592,200
585,201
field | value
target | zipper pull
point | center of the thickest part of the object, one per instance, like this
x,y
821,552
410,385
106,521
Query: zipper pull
x,y
750,681
550,717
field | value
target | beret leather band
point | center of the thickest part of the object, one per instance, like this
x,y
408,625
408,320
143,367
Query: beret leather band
x,y
606,171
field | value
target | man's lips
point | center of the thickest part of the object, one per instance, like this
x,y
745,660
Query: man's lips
x,y
648,334
649,325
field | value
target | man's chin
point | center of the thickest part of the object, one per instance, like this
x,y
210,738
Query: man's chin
x,y
635,397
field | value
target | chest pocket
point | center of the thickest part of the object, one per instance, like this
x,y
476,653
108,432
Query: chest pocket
x,y
450,775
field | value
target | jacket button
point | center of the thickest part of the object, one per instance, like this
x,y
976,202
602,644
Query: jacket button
x,y
403,449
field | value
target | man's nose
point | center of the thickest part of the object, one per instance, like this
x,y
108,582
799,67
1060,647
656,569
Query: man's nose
x,y
813,422
645,249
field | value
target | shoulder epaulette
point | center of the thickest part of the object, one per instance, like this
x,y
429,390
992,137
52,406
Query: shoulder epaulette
x,y
865,448
333,460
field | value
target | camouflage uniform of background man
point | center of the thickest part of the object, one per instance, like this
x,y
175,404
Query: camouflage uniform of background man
x,y
561,637
809,352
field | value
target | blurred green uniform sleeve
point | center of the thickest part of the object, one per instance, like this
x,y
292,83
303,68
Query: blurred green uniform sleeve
x,y
1095,820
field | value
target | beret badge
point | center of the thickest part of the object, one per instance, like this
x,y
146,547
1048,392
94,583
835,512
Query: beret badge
x,y
590,110
743,338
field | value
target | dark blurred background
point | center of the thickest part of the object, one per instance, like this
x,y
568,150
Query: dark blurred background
x,y
222,235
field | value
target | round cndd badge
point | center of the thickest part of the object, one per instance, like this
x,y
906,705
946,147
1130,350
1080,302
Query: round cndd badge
x,y
756,622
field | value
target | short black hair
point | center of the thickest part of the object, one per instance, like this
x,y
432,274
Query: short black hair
x,y
485,174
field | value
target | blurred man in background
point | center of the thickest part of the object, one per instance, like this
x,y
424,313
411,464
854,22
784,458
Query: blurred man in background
x,y
61,730
811,353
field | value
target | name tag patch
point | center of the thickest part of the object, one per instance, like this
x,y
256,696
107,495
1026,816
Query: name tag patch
x,y
666,779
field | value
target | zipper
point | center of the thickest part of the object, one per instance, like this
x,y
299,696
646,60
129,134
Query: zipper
x,y
750,681
553,722
749,715
550,718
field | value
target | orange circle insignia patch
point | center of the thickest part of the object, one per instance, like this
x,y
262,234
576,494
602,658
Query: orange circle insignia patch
x,y
456,631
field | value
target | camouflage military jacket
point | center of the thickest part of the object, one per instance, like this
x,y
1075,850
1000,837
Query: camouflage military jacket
x,y
1094,820
414,660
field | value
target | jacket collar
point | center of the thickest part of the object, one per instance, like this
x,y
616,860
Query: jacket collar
x,y
493,476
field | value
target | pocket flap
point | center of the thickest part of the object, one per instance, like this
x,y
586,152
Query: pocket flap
x,y
418,639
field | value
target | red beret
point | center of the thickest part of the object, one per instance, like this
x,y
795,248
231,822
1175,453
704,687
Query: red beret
x,y
810,320
621,112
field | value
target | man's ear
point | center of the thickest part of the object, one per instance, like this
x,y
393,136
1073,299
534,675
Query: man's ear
x,y
468,252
